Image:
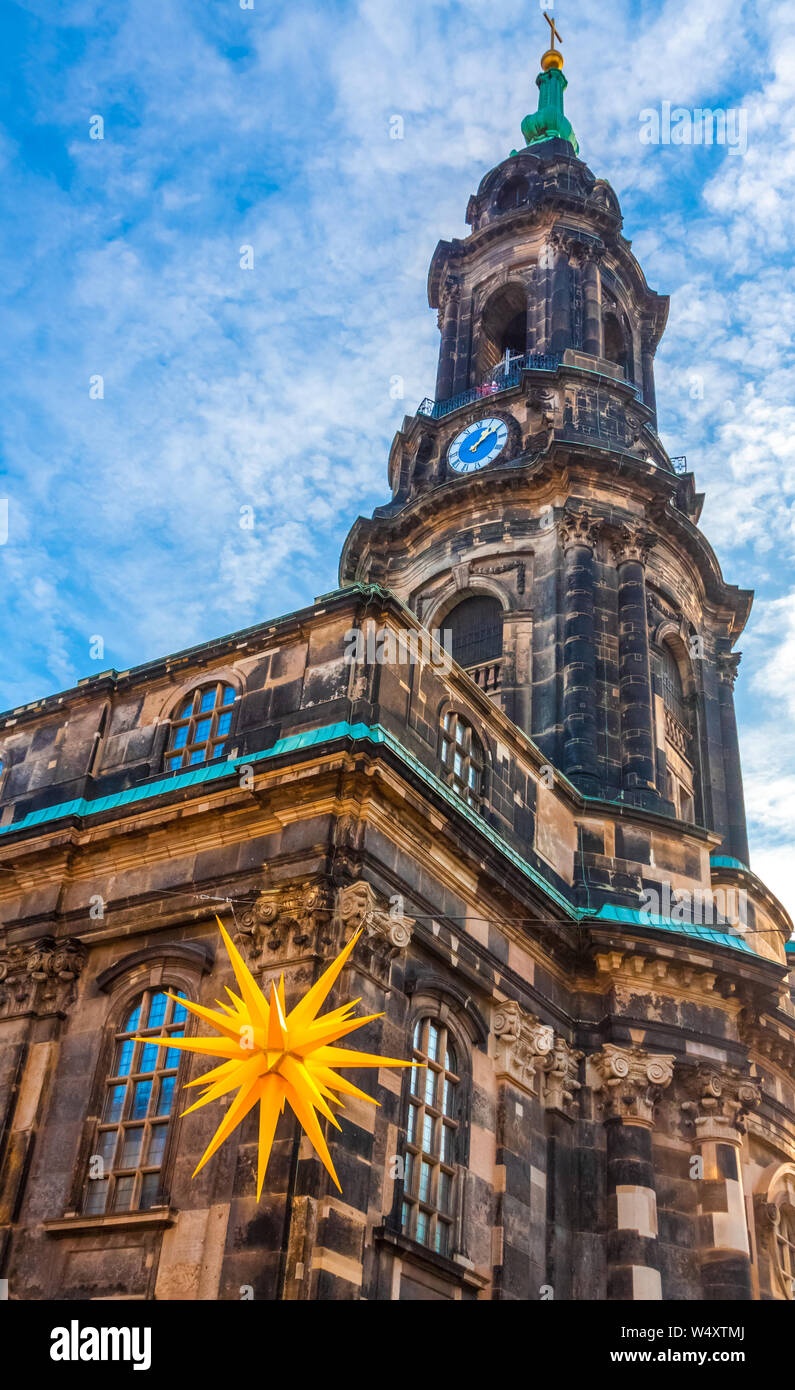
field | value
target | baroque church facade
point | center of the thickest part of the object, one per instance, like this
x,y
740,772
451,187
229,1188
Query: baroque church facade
x,y
538,825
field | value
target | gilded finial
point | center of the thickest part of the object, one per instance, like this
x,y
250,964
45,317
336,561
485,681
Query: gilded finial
x,y
552,58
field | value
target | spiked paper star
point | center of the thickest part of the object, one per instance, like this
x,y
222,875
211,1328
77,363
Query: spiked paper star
x,y
275,1057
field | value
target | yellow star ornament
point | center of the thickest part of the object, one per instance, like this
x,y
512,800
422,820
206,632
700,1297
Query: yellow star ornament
x,y
273,1057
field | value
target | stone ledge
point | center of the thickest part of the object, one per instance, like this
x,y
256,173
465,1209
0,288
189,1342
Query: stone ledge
x,y
154,1218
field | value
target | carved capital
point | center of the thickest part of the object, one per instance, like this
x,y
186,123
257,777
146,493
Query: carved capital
x,y
728,665
631,542
40,977
521,1042
717,1102
579,528
287,915
630,1081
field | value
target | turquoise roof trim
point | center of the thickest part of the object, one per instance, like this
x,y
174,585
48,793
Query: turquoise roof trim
x,y
725,861
630,916
327,733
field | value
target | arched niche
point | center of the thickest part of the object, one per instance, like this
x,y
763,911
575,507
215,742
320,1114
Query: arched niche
x,y
503,327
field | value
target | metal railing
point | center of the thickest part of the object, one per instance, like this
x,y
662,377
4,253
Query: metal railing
x,y
503,381
679,463
532,361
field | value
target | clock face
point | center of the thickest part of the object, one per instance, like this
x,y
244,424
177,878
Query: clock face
x,y
477,445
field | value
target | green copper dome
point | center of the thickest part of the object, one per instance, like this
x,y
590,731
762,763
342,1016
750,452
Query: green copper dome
x,y
549,122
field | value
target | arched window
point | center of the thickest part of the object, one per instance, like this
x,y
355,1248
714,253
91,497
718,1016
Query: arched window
x,y
200,726
124,1169
475,630
433,1124
462,755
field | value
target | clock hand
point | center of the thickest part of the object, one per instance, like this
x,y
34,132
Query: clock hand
x,y
483,436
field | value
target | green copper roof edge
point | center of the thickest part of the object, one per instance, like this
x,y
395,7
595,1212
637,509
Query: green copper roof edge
x,y
327,733
212,772
727,861
633,917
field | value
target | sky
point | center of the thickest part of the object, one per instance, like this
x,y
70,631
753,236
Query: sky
x,y
157,378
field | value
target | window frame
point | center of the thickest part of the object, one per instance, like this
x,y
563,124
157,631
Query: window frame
x,y
784,1252
473,796
214,744
116,1033
428,1006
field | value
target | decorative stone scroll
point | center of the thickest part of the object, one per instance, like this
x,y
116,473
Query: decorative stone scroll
x,y
522,1041
386,932
40,977
718,1102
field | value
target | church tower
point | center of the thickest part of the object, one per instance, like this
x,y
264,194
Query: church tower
x,y
536,517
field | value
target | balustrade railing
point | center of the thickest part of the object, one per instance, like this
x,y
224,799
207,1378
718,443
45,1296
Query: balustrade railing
x,y
487,674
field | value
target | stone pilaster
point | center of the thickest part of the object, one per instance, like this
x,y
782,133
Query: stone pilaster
x,y
328,1231
520,1045
578,535
38,985
630,547
715,1114
629,1083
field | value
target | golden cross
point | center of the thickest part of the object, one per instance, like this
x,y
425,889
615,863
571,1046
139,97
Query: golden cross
x,y
554,34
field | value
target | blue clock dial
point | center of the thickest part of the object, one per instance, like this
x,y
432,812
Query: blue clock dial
x,y
477,445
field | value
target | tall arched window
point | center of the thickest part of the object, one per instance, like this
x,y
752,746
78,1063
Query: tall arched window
x,y
671,687
124,1169
462,755
680,773
201,725
433,1125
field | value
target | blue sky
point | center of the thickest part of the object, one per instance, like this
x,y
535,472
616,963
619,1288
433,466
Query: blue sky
x,y
270,387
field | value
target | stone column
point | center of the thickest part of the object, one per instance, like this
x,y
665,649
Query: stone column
x,y
521,1043
737,834
592,333
578,535
630,548
715,1115
448,324
560,331
630,1082
647,370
